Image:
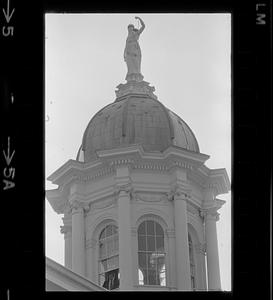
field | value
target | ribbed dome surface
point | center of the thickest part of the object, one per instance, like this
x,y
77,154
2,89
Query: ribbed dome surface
x,y
136,119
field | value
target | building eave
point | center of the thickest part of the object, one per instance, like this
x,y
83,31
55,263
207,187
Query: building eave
x,y
67,279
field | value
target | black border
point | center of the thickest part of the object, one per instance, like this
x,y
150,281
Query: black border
x,y
22,222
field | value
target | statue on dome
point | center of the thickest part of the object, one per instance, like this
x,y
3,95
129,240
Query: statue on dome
x,y
132,52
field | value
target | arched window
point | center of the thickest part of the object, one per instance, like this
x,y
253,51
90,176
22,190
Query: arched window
x,y
192,264
108,258
151,254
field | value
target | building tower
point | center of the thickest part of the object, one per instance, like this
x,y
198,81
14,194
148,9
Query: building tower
x,y
139,204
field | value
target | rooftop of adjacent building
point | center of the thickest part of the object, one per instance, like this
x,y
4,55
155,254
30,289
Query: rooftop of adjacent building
x,y
59,278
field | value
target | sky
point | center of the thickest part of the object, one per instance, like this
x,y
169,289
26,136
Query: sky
x,y
186,57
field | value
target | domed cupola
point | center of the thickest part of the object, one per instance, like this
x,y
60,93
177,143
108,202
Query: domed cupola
x,y
135,119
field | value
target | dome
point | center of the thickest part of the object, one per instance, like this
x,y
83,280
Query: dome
x,y
135,119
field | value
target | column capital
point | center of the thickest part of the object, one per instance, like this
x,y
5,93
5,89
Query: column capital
x,y
210,214
124,189
179,193
77,206
66,229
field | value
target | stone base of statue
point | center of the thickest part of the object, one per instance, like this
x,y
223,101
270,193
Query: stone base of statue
x,y
134,77
135,87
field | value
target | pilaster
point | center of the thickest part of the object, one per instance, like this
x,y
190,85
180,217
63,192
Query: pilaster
x,y
181,194
124,189
78,235
211,216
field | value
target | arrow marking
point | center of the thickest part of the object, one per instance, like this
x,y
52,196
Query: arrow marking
x,y
8,157
6,14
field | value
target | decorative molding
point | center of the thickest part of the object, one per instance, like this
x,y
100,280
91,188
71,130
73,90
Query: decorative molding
x,y
149,197
104,204
67,220
124,188
191,209
104,171
151,166
179,193
123,161
77,205
209,214
135,86
179,164
66,229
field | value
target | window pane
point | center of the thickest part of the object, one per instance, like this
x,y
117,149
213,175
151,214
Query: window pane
x,y
111,280
141,243
158,229
151,257
101,279
102,250
108,230
116,244
140,277
152,277
162,276
145,275
150,228
102,235
115,229
141,229
103,266
142,260
160,243
110,247
161,264
112,262
151,243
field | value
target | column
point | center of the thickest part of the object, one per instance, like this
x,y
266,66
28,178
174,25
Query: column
x,y
91,269
78,240
181,241
125,240
67,231
171,271
214,282
200,266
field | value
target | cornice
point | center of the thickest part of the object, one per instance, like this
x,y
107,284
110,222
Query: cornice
x,y
216,179
133,156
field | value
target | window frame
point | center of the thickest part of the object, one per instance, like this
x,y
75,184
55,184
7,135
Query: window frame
x,y
158,221
106,257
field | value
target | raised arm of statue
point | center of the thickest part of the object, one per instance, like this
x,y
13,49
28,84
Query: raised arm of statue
x,y
142,25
